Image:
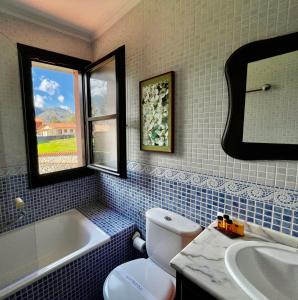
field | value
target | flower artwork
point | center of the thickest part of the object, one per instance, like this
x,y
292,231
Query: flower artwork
x,y
156,103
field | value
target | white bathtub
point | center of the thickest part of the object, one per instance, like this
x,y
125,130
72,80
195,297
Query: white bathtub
x,y
28,253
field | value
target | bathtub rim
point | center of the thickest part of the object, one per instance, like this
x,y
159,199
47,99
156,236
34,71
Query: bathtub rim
x,y
65,260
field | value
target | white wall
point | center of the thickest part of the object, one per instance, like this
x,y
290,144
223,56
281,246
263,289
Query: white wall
x,y
194,38
12,31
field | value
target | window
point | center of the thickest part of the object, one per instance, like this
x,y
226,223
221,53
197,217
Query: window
x,y
74,114
105,114
57,108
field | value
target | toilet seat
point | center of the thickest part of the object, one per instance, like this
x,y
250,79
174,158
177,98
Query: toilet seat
x,y
139,279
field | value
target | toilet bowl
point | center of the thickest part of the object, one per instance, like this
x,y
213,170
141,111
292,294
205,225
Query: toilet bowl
x,y
139,279
167,233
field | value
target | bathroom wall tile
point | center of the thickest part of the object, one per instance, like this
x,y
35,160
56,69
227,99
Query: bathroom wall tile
x,y
198,197
105,218
194,38
45,201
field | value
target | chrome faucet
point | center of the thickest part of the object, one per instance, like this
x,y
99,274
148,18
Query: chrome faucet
x,y
19,205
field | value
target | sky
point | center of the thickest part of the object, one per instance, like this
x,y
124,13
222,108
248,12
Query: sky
x,y
52,88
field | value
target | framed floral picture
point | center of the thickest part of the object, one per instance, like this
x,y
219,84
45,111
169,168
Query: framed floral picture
x,y
156,113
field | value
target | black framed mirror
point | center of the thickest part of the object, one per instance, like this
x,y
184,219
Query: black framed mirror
x,y
262,80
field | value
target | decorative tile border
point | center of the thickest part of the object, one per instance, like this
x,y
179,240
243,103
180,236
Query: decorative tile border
x,y
12,171
282,197
276,196
133,196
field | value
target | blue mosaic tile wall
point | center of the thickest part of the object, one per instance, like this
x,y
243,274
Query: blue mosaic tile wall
x,y
44,201
199,202
83,278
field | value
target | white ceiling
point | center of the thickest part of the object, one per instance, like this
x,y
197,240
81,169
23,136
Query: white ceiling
x,y
86,19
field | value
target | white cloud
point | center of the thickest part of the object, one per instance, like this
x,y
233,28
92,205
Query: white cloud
x,y
39,101
98,87
65,107
61,98
48,86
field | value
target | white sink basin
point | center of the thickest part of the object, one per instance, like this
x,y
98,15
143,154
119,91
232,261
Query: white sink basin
x,y
265,271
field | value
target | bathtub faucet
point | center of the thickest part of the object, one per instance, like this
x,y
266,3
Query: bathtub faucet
x,y
18,218
19,204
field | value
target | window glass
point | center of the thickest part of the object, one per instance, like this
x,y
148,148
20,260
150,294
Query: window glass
x,y
104,143
57,118
103,89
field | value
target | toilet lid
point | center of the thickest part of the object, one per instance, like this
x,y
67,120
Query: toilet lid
x,y
139,279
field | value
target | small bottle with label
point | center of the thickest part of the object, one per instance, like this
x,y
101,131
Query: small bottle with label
x,y
238,228
225,219
229,225
220,222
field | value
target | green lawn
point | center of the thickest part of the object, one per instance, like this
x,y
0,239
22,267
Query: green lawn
x,y
61,145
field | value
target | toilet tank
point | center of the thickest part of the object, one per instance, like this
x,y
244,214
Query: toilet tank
x,y
167,233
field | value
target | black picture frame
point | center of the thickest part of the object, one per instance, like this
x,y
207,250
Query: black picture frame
x,y
236,73
120,115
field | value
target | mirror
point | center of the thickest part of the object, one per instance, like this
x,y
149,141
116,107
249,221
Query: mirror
x,y
271,100
262,81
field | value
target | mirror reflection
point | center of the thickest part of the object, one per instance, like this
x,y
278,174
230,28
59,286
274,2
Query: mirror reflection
x,y
271,100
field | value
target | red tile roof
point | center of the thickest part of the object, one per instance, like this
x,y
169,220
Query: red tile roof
x,y
61,125
50,126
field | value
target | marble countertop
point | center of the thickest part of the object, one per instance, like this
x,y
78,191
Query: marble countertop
x,y
202,261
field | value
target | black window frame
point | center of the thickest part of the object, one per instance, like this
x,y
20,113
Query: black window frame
x,y
120,115
27,54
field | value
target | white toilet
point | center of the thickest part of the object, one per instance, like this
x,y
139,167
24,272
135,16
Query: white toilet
x,y
167,233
